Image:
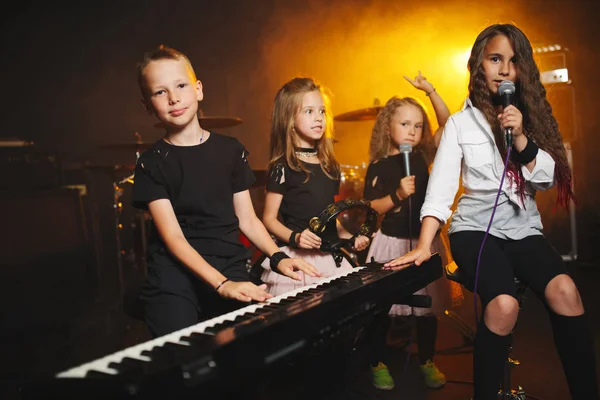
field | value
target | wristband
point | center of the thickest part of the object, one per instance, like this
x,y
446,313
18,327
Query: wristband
x,y
292,240
429,94
528,154
395,199
275,259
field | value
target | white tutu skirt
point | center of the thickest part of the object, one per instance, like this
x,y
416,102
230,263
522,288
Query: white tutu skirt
x,y
279,284
385,248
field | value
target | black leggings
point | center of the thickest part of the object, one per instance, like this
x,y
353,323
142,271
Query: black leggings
x,y
535,263
531,259
176,298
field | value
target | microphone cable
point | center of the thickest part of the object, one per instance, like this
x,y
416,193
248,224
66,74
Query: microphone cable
x,y
486,234
410,236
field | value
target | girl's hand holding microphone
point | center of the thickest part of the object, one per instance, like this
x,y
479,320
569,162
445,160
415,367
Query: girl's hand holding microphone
x,y
407,187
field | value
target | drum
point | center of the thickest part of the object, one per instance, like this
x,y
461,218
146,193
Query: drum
x,y
352,181
131,227
352,185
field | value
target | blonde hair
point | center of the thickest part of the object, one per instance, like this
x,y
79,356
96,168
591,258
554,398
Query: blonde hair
x,y
162,52
380,136
287,104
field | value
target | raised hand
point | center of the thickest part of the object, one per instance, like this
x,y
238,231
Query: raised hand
x,y
421,83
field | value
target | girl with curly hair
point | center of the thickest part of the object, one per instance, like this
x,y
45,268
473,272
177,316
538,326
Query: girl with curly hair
x,y
504,211
398,196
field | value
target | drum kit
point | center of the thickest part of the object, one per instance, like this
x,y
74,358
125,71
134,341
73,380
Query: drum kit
x,y
362,114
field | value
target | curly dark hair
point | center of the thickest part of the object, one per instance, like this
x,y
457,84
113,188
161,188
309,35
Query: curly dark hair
x,y
530,98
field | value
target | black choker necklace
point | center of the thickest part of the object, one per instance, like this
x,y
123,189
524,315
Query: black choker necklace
x,y
305,152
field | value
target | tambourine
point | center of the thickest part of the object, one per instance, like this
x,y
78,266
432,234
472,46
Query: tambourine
x,y
318,225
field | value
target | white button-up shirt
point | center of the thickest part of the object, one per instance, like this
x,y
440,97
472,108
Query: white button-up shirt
x,y
468,144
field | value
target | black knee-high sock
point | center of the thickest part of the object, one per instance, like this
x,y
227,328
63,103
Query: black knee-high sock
x,y
375,335
576,350
426,335
489,355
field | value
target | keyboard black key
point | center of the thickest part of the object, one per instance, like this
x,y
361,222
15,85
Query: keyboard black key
x,y
129,366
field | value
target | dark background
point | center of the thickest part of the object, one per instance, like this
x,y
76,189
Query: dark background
x,y
69,85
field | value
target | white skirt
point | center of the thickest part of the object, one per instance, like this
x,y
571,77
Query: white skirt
x,y
385,248
279,284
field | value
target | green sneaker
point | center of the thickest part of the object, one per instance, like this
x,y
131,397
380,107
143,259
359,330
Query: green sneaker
x,y
434,378
381,377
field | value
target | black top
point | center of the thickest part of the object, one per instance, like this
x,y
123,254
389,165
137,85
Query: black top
x,y
383,178
200,182
301,200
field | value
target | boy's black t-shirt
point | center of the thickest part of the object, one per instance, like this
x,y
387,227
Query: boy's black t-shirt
x,y
301,200
200,182
383,178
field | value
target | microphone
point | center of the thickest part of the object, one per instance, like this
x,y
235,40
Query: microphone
x,y
506,90
405,150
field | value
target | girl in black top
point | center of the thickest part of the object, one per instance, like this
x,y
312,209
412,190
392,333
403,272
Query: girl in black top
x,y
304,177
388,186
195,185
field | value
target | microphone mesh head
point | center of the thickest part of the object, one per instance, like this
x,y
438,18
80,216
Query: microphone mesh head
x,y
405,148
506,87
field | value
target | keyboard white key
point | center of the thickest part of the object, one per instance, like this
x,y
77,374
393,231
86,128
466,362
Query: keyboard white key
x,y
101,364
311,286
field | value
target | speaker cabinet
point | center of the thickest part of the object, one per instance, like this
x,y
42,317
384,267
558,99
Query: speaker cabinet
x,y
561,97
555,65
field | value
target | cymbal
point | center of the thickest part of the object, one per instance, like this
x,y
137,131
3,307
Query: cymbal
x,y
110,167
127,146
362,114
15,143
213,122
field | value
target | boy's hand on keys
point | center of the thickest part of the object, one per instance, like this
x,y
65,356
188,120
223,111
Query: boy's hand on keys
x,y
244,291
